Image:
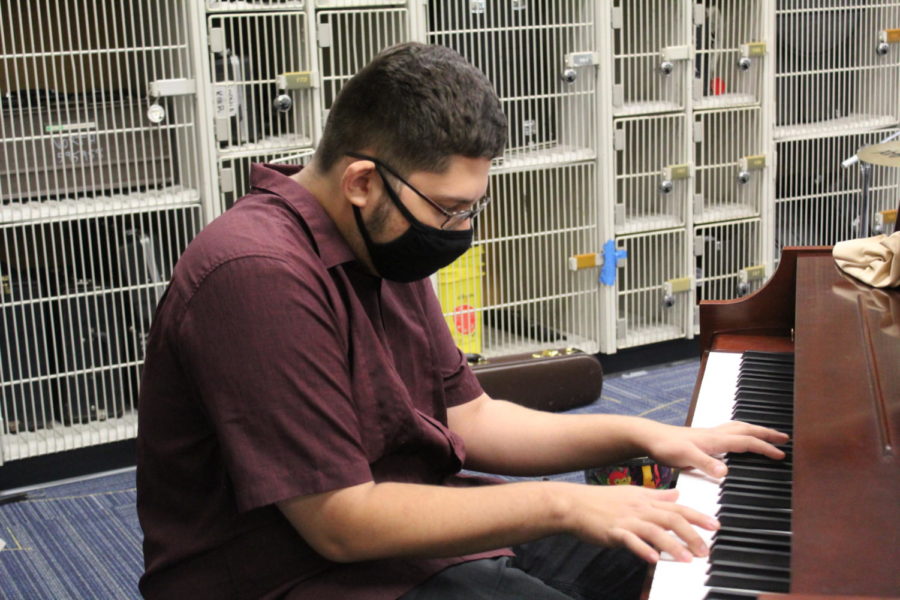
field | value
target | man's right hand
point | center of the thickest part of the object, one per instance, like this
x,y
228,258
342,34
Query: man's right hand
x,y
640,519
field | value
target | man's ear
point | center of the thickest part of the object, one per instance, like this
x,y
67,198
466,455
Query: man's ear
x,y
361,183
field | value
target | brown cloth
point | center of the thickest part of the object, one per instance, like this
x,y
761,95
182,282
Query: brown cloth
x,y
874,261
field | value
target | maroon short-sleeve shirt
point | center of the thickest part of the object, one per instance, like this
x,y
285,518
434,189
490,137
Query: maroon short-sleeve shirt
x,y
277,367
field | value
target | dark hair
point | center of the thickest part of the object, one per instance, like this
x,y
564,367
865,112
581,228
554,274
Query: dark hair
x,y
414,106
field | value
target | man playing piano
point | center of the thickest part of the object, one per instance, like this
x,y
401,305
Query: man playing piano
x,y
305,415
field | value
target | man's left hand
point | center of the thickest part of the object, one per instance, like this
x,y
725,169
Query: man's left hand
x,y
686,447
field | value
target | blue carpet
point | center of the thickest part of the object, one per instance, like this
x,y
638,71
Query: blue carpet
x,y
81,540
76,540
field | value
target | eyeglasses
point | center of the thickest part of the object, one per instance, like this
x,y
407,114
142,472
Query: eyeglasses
x,y
453,219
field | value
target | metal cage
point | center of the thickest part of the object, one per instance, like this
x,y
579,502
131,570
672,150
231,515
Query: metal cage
x,y
348,40
653,289
261,72
730,164
234,173
78,296
729,260
531,297
253,5
817,199
357,3
837,66
101,191
653,180
548,92
730,51
651,56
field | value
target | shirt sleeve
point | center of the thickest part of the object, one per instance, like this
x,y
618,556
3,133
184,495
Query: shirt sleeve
x,y
460,383
264,346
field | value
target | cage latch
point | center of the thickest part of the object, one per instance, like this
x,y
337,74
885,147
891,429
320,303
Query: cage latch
x,y
671,174
890,36
748,275
747,164
886,37
885,218
613,258
672,287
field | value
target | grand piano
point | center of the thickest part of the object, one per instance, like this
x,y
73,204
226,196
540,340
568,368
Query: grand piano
x,y
816,353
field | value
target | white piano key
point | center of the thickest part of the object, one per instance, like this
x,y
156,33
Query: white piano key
x,y
715,400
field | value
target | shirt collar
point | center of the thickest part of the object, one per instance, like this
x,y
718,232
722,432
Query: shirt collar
x,y
275,178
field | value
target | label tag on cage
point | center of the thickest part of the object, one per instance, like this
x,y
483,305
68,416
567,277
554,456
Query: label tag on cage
x,y
753,273
226,98
295,80
753,49
678,286
171,87
753,163
582,59
81,148
584,261
890,36
676,53
677,171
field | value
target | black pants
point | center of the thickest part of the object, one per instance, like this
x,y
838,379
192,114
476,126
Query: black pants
x,y
555,568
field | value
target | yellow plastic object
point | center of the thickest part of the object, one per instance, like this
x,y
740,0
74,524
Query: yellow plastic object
x,y
460,293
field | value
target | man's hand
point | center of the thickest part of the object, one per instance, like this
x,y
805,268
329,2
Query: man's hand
x,y
640,519
697,447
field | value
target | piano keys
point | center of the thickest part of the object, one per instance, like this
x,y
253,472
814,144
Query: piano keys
x,y
751,551
829,517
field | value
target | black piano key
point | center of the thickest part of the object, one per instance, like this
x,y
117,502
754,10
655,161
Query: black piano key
x,y
738,517
755,488
762,582
750,361
785,399
762,489
777,514
728,553
754,543
767,406
759,460
760,522
715,594
763,473
749,458
771,419
755,500
772,371
785,486
732,557
777,387
779,357
783,380
771,536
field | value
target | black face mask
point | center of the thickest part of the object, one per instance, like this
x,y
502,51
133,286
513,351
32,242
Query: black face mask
x,y
418,252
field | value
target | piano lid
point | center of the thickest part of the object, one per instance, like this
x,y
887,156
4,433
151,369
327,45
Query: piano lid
x,y
846,520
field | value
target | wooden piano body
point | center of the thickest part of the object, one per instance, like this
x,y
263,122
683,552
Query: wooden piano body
x,y
846,490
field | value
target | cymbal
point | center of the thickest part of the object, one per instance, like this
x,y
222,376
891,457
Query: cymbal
x,y
886,154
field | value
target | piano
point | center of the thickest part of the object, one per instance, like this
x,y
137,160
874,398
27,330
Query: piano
x,y
816,353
